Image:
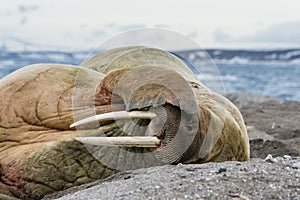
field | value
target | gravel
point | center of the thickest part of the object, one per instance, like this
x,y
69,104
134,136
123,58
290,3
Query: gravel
x,y
272,178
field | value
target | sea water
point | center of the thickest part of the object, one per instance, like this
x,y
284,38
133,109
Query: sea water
x,y
280,80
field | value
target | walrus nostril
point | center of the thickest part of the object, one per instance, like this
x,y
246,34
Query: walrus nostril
x,y
163,135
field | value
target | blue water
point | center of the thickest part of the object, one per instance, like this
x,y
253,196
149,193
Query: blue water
x,y
11,61
278,80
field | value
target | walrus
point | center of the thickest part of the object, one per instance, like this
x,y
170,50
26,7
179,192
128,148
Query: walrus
x,y
50,113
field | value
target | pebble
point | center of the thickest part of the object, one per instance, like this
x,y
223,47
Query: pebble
x,y
222,169
270,158
283,159
296,165
287,157
127,177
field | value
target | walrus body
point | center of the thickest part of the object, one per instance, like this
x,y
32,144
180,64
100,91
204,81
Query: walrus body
x,y
38,154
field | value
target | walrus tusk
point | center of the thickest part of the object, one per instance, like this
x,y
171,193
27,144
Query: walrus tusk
x,y
116,116
133,141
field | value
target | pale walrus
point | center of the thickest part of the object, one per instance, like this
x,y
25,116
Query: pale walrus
x,y
133,91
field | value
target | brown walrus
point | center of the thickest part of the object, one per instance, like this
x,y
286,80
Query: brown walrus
x,y
157,95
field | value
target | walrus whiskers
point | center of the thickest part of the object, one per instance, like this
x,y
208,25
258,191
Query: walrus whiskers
x,y
119,115
133,141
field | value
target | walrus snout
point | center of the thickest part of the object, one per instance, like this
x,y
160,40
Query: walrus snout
x,y
166,123
161,96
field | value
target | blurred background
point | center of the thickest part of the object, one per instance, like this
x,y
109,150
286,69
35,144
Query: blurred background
x,y
254,44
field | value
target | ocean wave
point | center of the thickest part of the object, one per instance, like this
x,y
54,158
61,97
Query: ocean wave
x,y
5,63
267,74
289,56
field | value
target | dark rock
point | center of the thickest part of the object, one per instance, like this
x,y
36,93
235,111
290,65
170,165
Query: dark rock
x,y
222,169
245,98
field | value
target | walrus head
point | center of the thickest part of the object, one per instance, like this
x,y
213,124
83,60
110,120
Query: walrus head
x,y
163,106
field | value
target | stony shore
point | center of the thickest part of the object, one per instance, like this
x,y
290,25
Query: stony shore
x,y
255,179
274,129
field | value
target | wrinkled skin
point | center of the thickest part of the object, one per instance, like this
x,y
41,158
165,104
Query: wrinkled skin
x,y
38,154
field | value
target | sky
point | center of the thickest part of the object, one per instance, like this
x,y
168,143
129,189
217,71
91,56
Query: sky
x,y
84,24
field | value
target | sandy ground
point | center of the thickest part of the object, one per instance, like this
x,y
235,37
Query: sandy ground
x,y
275,130
275,124
256,179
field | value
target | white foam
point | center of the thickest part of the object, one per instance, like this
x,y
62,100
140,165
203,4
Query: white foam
x,y
5,63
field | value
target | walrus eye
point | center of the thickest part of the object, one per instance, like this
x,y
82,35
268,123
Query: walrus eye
x,y
120,115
